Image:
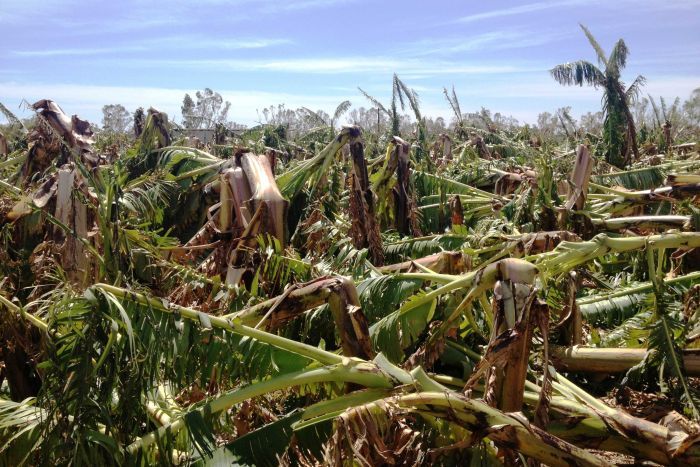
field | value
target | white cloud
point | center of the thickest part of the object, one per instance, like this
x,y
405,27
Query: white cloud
x,y
176,42
144,15
517,10
13,11
493,40
344,65
276,6
646,5
76,52
287,5
240,44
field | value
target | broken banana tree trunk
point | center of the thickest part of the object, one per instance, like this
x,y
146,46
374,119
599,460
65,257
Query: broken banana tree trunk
x,y
445,262
644,222
313,170
340,294
365,227
620,202
72,214
75,132
680,179
505,362
404,204
481,148
40,198
264,191
155,133
350,322
580,178
396,206
477,283
139,122
507,431
613,360
571,318
539,242
250,204
3,145
617,430
580,419
446,143
44,147
442,150
509,182
456,211
585,421
677,188
578,191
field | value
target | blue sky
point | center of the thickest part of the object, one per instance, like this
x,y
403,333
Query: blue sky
x,y
315,53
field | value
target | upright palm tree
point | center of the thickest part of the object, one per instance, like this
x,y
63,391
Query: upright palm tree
x,y
619,132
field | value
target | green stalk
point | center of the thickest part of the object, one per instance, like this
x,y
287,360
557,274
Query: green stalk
x,y
582,424
211,168
465,350
14,161
623,194
468,189
364,374
201,155
683,178
423,238
110,342
433,277
618,223
465,199
638,289
35,321
291,182
486,307
481,278
677,371
11,188
188,273
667,165
478,417
568,255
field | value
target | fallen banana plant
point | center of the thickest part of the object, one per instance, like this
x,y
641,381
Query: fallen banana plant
x,y
298,294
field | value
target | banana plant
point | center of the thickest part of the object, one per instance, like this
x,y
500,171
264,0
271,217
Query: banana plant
x,y
309,299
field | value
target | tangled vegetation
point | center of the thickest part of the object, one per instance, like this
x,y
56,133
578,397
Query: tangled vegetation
x,y
300,294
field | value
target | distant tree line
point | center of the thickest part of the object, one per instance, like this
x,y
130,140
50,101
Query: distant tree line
x,y
650,115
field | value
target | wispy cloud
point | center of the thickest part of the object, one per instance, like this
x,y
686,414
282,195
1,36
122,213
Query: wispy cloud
x,y
145,14
296,5
287,5
338,65
163,43
504,39
518,10
647,5
243,44
193,42
76,51
18,10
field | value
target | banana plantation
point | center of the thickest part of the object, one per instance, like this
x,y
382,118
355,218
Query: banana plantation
x,y
352,296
